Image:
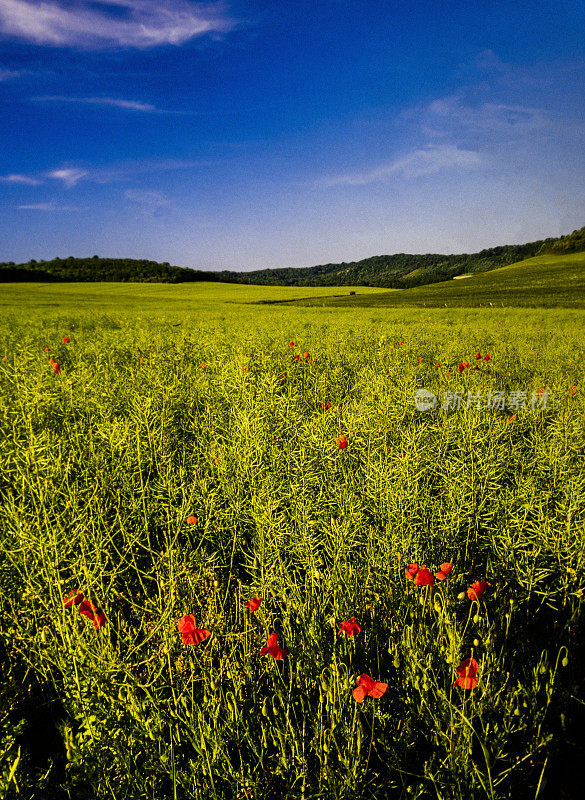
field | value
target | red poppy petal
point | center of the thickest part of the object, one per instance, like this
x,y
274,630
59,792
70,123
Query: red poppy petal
x,y
186,624
99,620
378,689
73,598
86,609
446,567
367,682
359,693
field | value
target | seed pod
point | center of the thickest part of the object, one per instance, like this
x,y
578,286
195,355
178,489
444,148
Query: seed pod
x,y
216,584
324,685
476,642
265,707
476,619
396,662
275,705
461,596
565,661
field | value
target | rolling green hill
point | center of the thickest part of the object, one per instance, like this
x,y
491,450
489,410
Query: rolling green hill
x,y
551,280
398,271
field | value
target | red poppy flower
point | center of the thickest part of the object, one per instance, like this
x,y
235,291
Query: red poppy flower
x,y
573,391
401,342
99,619
444,571
350,627
476,590
487,357
305,355
342,441
437,365
297,357
190,633
51,361
203,365
478,356
283,376
142,360
461,366
88,610
73,599
424,577
46,349
540,392
411,571
418,360
368,686
325,406
272,648
467,673
511,419
253,604
57,367
291,344
244,369
191,520
66,340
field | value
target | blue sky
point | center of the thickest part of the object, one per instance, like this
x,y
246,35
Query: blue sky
x,y
252,134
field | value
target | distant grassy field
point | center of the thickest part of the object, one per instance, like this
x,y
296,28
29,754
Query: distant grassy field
x,y
183,460
550,281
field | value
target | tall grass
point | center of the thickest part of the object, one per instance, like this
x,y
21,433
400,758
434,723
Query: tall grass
x,y
101,465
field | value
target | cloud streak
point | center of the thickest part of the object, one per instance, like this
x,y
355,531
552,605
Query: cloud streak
x,y
112,23
70,176
150,202
9,74
48,207
425,160
24,180
126,105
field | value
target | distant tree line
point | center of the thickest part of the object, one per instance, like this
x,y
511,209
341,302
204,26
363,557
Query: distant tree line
x,y
572,243
399,271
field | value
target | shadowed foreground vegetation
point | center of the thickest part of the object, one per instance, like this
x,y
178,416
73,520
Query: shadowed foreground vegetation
x,y
208,414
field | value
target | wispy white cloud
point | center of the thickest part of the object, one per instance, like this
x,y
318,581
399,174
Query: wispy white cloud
x,y
126,105
111,23
150,202
462,114
70,175
9,74
423,161
25,180
122,171
48,207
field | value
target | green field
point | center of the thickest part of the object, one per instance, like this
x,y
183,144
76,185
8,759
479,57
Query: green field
x,y
548,281
152,419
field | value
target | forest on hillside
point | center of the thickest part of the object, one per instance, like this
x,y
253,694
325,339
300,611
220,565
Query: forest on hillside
x,y
398,271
